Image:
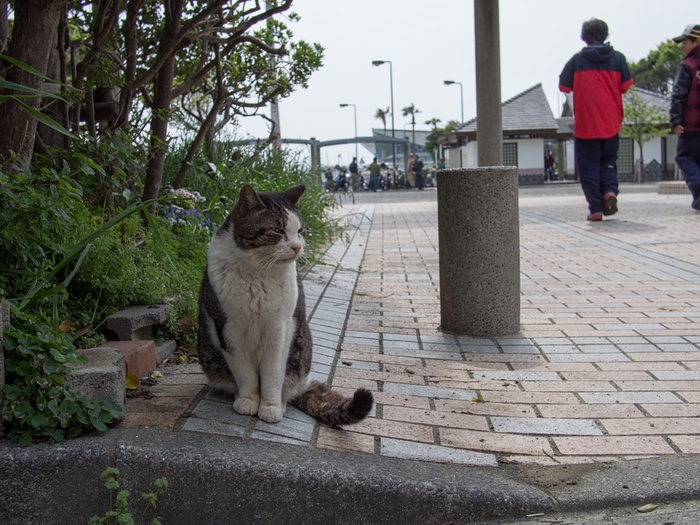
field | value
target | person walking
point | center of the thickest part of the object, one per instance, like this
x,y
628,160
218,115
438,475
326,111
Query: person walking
x,y
598,76
374,175
354,175
418,171
548,166
685,111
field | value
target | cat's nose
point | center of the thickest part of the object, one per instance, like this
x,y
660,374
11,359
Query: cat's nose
x,y
296,249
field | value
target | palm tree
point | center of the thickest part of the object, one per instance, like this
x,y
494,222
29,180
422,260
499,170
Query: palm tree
x,y
412,110
381,114
433,122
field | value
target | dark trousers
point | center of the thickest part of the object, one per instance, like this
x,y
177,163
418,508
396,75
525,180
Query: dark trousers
x,y
597,168
419,180
688,160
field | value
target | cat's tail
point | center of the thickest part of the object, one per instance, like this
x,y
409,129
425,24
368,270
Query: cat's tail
x,y
333,408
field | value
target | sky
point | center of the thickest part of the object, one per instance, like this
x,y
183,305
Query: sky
x,y
428,42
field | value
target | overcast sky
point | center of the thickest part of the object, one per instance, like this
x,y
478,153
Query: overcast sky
x,y
432,41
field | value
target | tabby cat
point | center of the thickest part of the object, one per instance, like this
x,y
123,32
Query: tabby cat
x,y
254,340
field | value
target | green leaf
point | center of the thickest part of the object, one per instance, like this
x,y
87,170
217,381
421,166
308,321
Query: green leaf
x,y
25,440
45,120
39,421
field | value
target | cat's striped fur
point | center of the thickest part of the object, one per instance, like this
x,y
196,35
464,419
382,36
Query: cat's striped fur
x,y
254,340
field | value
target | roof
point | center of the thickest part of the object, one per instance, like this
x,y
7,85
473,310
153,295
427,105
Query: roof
x,y
528,111
651,98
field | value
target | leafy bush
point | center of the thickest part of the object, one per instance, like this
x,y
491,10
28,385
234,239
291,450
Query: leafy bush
x,y
36,403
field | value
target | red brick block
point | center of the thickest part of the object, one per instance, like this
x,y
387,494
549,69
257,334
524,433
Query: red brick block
x,y
140,356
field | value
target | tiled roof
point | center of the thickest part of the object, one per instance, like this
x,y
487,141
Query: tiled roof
x,y
527,111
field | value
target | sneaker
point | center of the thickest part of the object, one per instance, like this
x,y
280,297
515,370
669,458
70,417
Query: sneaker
x,y
696,203
595,217
610,204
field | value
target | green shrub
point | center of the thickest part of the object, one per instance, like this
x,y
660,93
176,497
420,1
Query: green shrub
x,y
36,403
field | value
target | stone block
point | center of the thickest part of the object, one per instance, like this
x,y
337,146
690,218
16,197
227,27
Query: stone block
x,y
140,356
165,350
479,239
135,323
104,375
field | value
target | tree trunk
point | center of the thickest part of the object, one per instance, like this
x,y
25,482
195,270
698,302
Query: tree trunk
x,y
203,131
162,96
33,35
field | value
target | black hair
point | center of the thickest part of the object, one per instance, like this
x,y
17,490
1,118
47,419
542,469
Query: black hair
x,y
594,30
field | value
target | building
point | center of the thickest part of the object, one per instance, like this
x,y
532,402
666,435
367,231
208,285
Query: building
x,y
384,152
529,127
528,124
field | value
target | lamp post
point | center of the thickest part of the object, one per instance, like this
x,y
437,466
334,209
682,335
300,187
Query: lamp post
x,y
391,85
461,95
354,108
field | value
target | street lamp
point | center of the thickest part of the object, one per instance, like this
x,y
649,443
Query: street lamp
x,y
461,94
354,108
391,85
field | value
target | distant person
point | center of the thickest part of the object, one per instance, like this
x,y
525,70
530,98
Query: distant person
x,y
548,166
685,111
409,172
374,175
598,76
418,172
441,164
354,175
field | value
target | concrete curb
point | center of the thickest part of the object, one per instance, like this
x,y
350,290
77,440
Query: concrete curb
x,y
228,480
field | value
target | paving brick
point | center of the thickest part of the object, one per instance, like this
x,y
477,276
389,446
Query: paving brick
x,y
590,411
652,426
418,451
435,418
679,410
485,409
490,442
393,429
612,445
212,427
687,444
517,375
607,376
567,386
630,397
550,427
405,377
333,439
660,386
429,391
676,375
529,397
382,398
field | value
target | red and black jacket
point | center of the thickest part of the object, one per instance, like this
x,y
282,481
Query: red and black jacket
x,y
685,99
598,75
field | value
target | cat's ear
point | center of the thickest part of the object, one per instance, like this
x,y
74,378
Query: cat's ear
x,y
294,194
248,202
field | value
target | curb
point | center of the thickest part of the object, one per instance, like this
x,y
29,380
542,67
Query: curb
x,y
228,480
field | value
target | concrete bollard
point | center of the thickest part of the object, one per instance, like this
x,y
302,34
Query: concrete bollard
x,y
479,239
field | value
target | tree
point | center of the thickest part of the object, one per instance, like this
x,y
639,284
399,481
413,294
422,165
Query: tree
x,y
32,37
643,121
381,114
432,141
152,52
413,111
657,71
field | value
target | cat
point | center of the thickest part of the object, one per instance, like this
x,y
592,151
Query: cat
x,y
254,339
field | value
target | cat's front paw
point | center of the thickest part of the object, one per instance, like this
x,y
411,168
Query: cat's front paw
x,y
245,406
271,414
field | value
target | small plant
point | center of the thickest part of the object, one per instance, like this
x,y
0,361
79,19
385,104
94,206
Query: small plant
x,y
119,506
36,402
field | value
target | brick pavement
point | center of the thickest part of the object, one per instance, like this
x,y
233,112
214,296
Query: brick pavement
x,y
606,366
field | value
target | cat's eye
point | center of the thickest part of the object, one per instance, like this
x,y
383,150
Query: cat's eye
x,y
301,231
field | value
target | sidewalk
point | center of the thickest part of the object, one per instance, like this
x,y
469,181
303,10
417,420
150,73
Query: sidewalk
x,y
605,370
